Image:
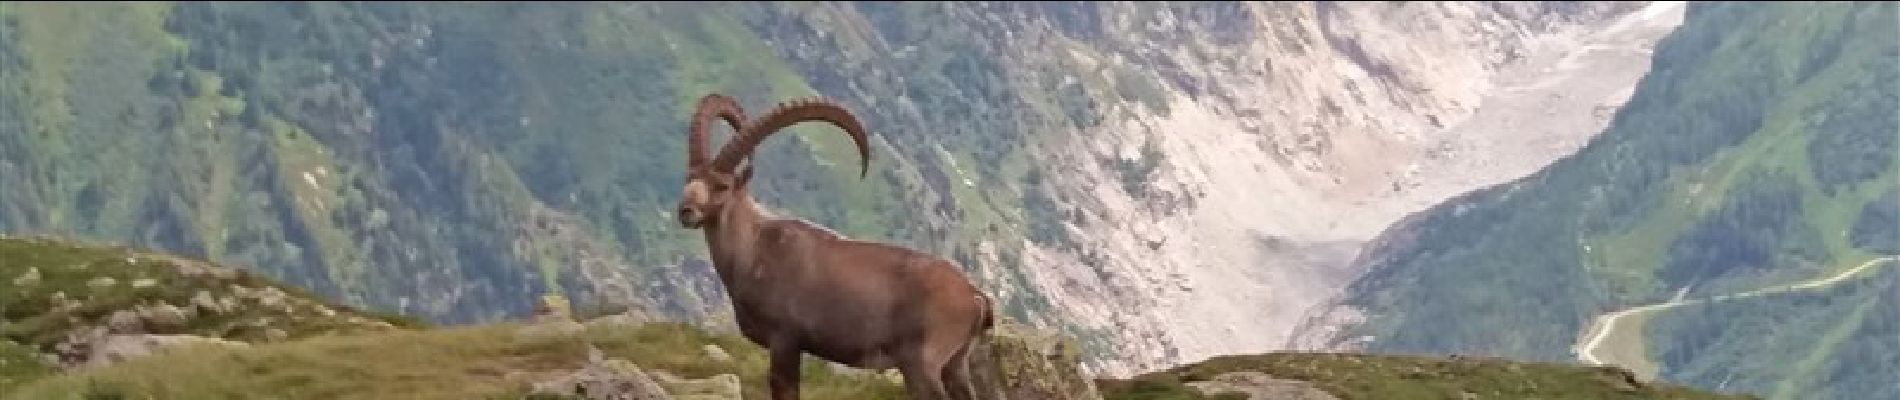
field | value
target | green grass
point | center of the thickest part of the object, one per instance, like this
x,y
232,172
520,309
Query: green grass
x,y
30,319
1363,376
19,364
457,363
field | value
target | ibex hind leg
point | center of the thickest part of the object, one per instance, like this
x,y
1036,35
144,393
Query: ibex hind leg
x,y
956,374
922,378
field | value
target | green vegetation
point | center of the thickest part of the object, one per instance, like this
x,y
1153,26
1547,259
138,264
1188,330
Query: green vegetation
x,y
1835,343
487,361
55,287
449,161
1751,156
1360,376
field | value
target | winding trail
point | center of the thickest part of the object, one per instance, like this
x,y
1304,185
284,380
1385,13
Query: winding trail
x,y
1603,325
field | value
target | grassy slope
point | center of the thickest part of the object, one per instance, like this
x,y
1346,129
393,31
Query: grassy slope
x,y
501,360
30,322
1361,376
1684,181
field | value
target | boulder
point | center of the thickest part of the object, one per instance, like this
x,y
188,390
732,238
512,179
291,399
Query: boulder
x,y
30,278
1021,363
603,379
713,352
125,322
116,348
206,303
718,387
163,317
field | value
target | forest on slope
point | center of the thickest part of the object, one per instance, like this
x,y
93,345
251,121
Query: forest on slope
x,y
443,160
1758,152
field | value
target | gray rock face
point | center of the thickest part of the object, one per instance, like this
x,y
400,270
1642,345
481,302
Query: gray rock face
x,y
163,317
604,379
125,322
117,348
99,346
206,303
1016,362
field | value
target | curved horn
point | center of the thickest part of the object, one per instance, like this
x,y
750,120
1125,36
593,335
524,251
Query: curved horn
x,y
788,114
712,105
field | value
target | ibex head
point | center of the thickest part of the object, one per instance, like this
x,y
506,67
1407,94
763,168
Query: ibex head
x,y
711,184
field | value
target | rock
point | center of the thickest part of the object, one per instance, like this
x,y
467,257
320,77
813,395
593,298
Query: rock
x,y
163,317
228,304
715,353
144,283
1017,362
270,297
1260,386
125,322
60,303
604,379
30,278
204,302
325,312
276,335
116,348
719,387
242,292
102,282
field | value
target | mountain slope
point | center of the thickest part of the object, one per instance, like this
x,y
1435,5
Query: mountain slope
x,y
329,357
1098,166
1757,153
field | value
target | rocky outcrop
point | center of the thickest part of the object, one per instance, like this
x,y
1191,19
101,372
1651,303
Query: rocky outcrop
x,y
100,346
1016,362
604,379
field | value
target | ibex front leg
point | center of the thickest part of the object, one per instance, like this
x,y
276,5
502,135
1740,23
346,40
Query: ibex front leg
x,y
784,369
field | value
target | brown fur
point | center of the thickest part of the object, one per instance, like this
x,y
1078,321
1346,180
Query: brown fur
x,y
797,287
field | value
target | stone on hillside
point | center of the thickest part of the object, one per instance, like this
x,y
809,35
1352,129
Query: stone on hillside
x,y
116,348
325,312
270,298
60,303
163,317
206,303
715,353
228,303
242,292
125,322
1260,386
144,283
1016,362
102,282
30,278
604,379
719,387
276,335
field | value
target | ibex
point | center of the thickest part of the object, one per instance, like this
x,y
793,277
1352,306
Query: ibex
x,y
797,287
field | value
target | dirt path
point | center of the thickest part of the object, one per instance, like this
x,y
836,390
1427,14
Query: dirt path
x,y
1604,325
